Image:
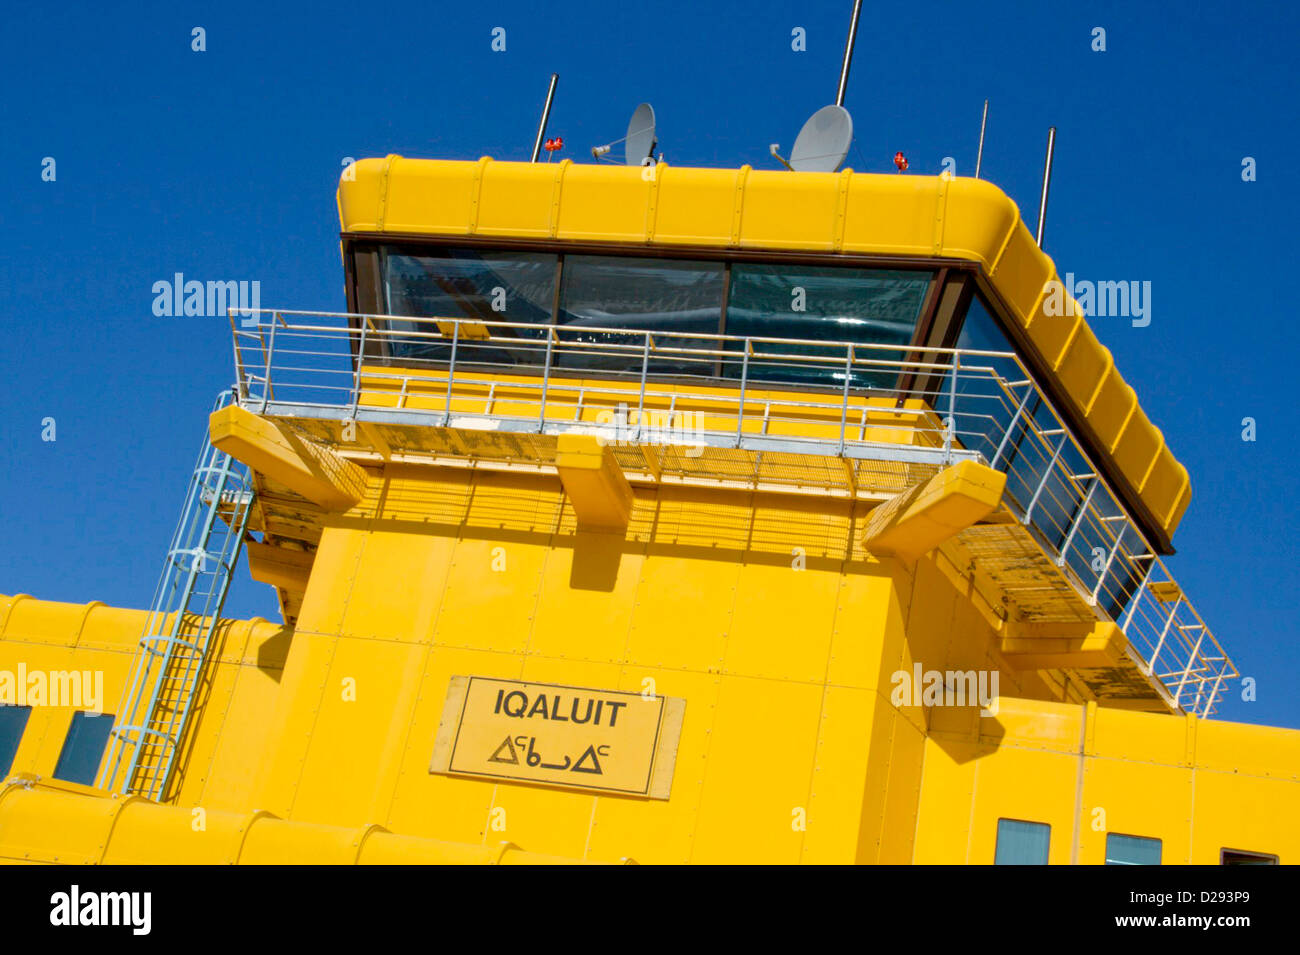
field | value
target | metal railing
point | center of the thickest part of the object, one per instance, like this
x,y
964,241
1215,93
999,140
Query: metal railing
x,y
830,399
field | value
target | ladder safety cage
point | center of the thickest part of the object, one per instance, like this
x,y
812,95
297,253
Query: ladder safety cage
x,y
159,698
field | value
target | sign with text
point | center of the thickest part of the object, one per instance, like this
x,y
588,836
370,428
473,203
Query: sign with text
x,y
559,736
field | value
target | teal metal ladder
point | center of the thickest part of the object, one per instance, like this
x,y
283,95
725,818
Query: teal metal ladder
x,y
159,698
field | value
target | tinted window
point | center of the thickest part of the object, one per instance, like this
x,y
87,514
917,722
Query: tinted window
x,y
84,748
1131,850
483,285
13,720
643,295
824,303
1022,843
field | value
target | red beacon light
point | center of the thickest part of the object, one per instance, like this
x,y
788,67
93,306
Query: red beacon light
x,y
553,144
900,161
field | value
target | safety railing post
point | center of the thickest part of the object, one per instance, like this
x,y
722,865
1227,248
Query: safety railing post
x,y
744,382
1047,473
270,353
1015,420
361,357
451,372
645,371
844,400
546,380
951,425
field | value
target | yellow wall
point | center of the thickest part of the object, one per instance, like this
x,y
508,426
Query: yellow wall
x,y
785,673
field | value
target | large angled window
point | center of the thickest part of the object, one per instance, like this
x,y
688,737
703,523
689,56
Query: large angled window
x,y
478,284
682,298
823,303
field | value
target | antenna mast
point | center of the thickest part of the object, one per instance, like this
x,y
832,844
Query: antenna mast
x,y
546,115
1047,183
848,53
979,157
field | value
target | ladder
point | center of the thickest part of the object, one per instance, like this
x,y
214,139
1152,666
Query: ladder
x,y
169,669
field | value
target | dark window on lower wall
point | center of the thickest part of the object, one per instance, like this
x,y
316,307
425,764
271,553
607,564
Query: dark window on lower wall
x,y
641,295
1132,850
483,285
1241,857
13,721
83,747
824,303
1022,843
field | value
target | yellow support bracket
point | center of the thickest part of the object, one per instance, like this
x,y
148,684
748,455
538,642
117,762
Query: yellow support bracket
x,y
279,566
1063,646
921,518
601,495
273,449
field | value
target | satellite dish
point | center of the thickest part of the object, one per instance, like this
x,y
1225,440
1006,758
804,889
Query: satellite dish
x,y
823,142
640,140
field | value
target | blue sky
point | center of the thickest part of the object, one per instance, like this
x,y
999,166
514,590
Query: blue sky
x,y
223,165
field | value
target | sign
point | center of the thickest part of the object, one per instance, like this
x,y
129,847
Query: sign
x,y
559,736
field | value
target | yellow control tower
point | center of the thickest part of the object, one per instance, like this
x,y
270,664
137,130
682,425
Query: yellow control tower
x,y
662,515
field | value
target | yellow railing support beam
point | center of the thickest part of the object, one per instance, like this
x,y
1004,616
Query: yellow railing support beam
x,y
921,518
601,495
273,449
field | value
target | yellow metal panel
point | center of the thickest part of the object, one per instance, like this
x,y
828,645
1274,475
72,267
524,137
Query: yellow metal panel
x,y
1165,485
978,221
1241,748
421,196
782,624
1022,273
839,776
1085,365
769,196
1110,411
518,199
397,586
696,207
604,203
1137,448
890,214
944,812
662,635
1051,334
1163,812
358,730
1251,815
761,734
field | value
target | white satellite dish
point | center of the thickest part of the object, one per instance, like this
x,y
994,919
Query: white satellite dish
x,y
639,143
640,139
823,142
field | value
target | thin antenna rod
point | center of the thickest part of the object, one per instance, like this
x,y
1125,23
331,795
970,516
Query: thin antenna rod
x,y
979,157
848,53
546,115
1047,184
